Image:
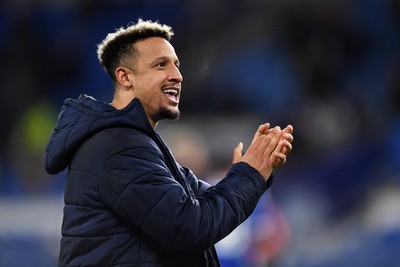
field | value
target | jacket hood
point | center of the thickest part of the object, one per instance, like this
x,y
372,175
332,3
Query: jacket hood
x,y
83,117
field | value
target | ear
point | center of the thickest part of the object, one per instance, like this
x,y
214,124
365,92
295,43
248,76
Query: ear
x,y
123,76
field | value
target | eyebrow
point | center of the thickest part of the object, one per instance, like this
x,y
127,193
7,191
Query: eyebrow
x,y
177,62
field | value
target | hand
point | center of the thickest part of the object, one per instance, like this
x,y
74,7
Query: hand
x,y
263,153
237,152
284,146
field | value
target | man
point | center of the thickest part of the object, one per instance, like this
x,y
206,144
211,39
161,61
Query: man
x,y
127,201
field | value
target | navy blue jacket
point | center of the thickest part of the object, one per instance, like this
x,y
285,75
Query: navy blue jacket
x,y
128,202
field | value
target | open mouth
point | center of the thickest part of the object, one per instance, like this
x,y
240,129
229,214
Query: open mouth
x,y
172,94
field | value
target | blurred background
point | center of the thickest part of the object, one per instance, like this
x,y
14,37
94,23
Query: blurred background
x,y
329,68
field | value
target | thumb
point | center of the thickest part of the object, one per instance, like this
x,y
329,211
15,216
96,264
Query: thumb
x,y
237,153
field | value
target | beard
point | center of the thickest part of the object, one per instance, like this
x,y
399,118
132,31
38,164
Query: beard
x,y
165,113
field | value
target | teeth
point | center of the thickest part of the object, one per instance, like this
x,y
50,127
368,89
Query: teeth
x,y
171,91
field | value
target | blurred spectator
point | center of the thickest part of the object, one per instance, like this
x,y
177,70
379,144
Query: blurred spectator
x,y
29,135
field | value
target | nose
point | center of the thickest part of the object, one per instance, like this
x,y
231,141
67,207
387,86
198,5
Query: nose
x,y
175,75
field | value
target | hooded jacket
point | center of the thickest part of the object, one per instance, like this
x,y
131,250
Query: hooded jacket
x,y
128,202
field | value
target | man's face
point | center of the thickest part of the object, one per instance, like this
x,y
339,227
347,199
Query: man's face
x,y
157,79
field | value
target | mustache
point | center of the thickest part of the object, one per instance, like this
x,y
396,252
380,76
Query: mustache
x,y
176,85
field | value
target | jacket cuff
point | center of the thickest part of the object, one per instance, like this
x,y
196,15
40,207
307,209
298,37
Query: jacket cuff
x,y
267,184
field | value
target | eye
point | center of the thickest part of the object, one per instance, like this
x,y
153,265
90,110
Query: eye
x,y
161,64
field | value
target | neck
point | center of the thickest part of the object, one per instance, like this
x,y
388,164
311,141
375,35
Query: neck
x,y
122,99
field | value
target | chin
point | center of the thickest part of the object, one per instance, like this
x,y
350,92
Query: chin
x,y
171,114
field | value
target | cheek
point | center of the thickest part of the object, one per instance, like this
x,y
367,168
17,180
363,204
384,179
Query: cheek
x,y
150,83
148,89
151,95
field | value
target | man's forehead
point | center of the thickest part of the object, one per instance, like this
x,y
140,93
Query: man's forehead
x,y
155,45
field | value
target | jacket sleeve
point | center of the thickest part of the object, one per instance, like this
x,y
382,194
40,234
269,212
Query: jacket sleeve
x,y
137,185
198,186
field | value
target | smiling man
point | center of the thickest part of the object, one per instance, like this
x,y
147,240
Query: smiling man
x,y
127,201
154,78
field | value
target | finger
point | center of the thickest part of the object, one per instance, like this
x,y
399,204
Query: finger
x,y
289,137
274,141
284,147
288,129
262,129
237,153
280,159
260,142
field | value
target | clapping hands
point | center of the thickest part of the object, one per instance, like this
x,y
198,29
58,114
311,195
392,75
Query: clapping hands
x,y
268,150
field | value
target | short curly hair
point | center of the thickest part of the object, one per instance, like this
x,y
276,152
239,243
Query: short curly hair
x,y
117,49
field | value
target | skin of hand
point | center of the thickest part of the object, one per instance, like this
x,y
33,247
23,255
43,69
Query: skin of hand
x,y
268,149
284,147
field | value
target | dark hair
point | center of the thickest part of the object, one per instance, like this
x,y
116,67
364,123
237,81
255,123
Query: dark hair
x,y
117,49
